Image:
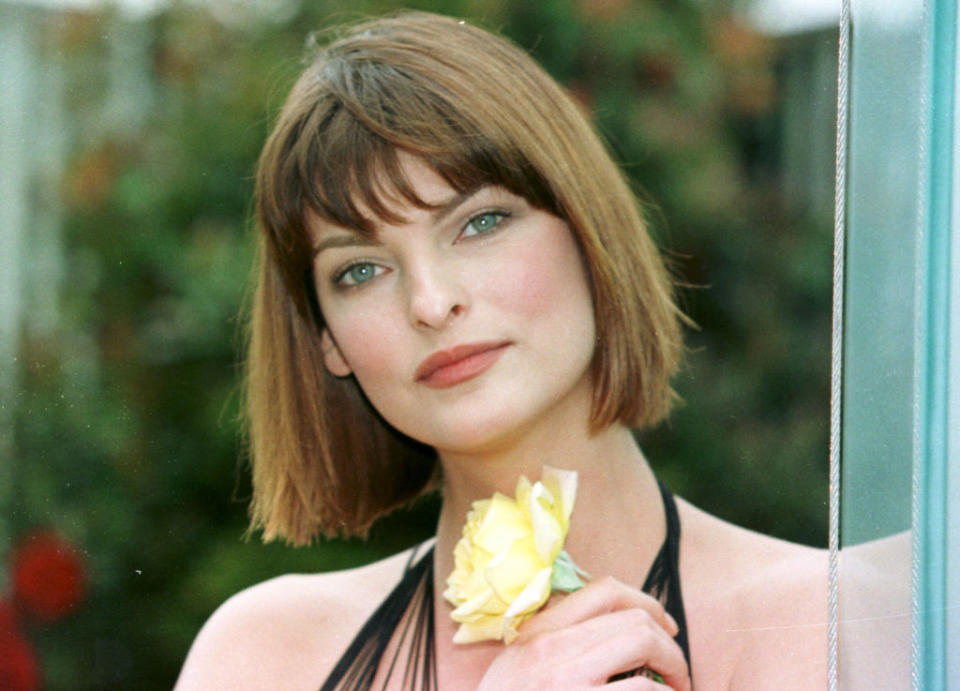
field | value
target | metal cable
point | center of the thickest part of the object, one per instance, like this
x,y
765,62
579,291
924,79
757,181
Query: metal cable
x,y
836,355
920,316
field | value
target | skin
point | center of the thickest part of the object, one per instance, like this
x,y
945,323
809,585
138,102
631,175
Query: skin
x,y
755,606
444,280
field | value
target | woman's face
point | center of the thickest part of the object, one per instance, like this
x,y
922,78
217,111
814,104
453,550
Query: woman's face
x,y
467,324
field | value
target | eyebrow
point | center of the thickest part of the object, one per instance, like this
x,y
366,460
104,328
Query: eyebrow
x,y
439,212
345,239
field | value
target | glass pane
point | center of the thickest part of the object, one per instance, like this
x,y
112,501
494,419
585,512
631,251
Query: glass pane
x,y
953,427
900,506
884,187
884,175
931,453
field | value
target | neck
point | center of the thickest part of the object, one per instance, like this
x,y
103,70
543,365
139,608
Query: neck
x,y
617,525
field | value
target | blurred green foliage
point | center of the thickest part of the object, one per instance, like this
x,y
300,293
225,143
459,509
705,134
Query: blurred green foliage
x,y
127,436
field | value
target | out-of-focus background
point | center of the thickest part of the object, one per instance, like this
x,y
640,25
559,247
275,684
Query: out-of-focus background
x,y
128,136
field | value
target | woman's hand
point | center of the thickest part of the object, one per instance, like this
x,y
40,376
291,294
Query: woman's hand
x,y
589,636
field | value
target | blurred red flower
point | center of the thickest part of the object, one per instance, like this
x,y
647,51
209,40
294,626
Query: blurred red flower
x,y
18,664
48,578
8,618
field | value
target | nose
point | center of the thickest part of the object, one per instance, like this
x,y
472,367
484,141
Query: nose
x,y
436,296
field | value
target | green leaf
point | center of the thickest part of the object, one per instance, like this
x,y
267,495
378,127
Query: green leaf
x,y
566,574
650,674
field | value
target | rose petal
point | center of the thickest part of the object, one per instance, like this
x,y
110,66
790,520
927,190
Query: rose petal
x,y
533,596
548,533
522,492
510,634
475,604
487,629
509,574
503,523
563,484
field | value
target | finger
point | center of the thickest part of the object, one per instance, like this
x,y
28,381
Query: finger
x,y
611,644
627,640
598,597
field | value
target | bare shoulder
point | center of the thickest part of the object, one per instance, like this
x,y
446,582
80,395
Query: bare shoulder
x,y
757,605
287,632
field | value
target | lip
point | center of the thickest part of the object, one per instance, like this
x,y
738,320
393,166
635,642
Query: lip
x,y
447,368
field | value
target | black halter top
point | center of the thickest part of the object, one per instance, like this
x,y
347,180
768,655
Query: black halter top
x,y
411,604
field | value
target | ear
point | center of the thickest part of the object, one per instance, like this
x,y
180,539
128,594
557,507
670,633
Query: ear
x,y
332,357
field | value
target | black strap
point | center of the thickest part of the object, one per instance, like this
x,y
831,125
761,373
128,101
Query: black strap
x,y
358,666
663,579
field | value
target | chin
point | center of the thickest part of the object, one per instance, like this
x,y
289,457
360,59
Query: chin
x,y
495,433
485,437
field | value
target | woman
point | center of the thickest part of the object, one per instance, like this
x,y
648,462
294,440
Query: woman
x,y
456,288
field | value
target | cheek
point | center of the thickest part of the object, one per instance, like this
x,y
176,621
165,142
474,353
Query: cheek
x,y
545,279
367,342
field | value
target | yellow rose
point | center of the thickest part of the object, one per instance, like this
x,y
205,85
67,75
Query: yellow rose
x,y
505,560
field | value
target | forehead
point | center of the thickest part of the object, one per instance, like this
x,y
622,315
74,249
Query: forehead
x,y
426,184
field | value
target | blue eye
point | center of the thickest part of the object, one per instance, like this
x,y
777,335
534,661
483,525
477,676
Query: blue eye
x,y
483,223
357,274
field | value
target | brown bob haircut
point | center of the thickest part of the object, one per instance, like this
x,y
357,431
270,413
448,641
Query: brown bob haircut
x,y
479,111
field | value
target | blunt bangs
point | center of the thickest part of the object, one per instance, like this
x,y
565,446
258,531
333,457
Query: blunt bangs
x,y
350,173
